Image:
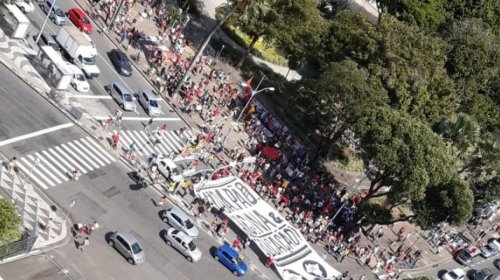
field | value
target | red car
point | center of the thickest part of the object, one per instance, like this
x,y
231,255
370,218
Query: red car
x,y
78,17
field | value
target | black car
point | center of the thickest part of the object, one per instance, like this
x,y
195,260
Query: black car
x,y
121,62
484,274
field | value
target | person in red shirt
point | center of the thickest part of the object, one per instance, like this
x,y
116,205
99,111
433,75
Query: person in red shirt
x,y
269,261
236,244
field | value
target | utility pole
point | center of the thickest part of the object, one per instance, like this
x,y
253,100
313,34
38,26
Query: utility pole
x,y
202,48
45,21
115,14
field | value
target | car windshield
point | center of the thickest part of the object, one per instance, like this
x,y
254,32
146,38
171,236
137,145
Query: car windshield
x,y
80,77
237,261
85,20
59,13
189,225
153,103
127,97
89,60
467,255
175,171
191,246
453,275
136,248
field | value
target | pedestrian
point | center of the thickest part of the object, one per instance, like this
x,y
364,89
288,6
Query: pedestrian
x,y
246,242
84,244
221,211
12,164
379,234
116,139
161,201
345,274
269,261
49,224
92,227
148,125
75,175
236,244
439,250
123,36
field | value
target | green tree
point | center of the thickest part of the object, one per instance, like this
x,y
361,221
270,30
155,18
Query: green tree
x,y
406,154
334,102
450,202
430,14
259,21
10,222
192,7
350,35
486,10
412,70
488,190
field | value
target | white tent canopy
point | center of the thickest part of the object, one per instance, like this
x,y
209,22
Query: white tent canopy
x,y
293,257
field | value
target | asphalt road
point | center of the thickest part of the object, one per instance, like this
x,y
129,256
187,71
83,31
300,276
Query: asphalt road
x,y
23,111
135,82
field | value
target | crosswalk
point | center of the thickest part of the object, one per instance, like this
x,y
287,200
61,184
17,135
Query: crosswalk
x,y
169,141
54,165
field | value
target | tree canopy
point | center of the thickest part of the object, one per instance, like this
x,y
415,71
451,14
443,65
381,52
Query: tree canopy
x,y
10,222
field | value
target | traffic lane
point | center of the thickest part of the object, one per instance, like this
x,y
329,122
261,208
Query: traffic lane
x,y
111,197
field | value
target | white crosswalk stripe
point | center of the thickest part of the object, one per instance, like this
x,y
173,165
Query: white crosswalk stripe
x,y
54,165
170,141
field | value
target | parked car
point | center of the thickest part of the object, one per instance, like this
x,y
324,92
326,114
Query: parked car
x,y
484,274
122,95
48,40
183,243
465,256
78,82
231,259
56,15
455,274
149,100
179,220
125,243
121,62
496,263
78,17
25,5
490,249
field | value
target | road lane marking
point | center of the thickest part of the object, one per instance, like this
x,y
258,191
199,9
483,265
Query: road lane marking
x,y
103,153
27,171
55,162
76,165
76,158
54,170
35,134
91,152
83,157
101,118
71,167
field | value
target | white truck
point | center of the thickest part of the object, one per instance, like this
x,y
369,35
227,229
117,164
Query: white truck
x,y
80,50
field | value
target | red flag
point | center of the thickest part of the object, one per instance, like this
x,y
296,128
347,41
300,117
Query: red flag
x,y
248,88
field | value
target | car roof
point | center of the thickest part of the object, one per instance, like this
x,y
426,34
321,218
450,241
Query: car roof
x,y
230,251
150,93
122,87
179,213
75,68
170,163
78,11
127,236
182,235
458,271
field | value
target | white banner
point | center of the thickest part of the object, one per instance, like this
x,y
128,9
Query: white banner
x,y
293,257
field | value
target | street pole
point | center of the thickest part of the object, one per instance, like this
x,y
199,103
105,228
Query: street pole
x,y
45,22
115,14
200,51
219,53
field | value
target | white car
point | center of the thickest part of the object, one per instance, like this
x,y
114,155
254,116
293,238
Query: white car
x,y
150,101
455,274
168,168
78,82
183,243
490,249
179,220
25,5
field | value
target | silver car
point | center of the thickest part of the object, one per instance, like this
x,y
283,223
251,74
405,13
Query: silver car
x,y
57,15
122,96
179,220
183,243
125,243
149,100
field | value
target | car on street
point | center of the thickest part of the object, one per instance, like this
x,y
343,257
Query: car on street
x,y
490,249
484,274
465,256
25,5
179,220
454,274
169,169
231,259
149,100
121,62
48,40
80,19
496,263
57,14
125,243
122,95
78,82
183,243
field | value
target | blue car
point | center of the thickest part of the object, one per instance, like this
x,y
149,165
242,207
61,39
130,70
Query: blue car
x,y
230,258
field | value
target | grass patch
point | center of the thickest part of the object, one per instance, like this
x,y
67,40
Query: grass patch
x,y
261,49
